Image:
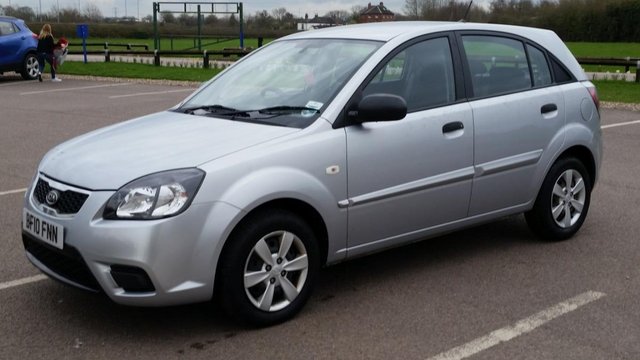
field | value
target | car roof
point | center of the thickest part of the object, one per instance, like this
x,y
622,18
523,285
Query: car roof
x,y
387,31
4,17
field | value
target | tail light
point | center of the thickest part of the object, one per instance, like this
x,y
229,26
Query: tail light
x,y
594,96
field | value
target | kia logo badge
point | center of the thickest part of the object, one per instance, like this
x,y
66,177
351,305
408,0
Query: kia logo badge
x,y
52,197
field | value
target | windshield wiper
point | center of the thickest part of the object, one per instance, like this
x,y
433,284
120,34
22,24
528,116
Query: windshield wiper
x,y
286,108
209,108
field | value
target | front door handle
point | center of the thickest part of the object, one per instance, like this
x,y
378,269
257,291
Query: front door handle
x,y
548,108
452,126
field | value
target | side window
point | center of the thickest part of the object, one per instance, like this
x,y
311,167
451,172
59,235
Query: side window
x,y
422,74
6,28
539,67
498,65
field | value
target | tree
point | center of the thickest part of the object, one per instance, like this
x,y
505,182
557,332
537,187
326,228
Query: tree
x,y
262,20
412,9
356,10
278,14
340,16
23,12
168,18
233,22
211,19
187,20
92,12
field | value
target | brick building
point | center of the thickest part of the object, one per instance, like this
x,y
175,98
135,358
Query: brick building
x,y
376,13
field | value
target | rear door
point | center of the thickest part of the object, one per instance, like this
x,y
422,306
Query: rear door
x,y
10,43
409,175
517,111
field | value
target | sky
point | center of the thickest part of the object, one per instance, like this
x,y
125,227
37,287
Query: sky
x,y
109,8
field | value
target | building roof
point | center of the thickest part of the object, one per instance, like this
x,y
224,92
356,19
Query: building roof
x,y
376,10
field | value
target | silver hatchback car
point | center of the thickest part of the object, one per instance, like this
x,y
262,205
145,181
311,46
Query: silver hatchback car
x,y
319,147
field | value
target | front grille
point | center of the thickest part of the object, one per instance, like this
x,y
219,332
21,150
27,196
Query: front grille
x,y
67,263
69,201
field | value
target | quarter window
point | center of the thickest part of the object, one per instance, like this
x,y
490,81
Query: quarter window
x,y
422,74
498,65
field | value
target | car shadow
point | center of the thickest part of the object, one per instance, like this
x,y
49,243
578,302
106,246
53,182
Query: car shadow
x,y
199,326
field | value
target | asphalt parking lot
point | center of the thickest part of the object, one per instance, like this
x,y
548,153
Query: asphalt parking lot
x,y
490,292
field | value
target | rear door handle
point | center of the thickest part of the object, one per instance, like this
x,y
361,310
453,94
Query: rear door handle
x,y
548,108
452,126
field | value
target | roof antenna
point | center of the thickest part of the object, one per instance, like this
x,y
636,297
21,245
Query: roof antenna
x,y
464,19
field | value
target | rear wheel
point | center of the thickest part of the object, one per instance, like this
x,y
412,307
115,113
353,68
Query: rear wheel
x,y
269,268
563,201
30,67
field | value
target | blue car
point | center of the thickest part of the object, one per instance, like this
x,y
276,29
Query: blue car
x,y
18,48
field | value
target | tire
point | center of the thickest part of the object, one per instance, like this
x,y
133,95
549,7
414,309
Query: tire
x,y
30,67
268,291
559,210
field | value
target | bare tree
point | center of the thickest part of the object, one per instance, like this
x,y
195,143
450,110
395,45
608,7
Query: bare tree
x,y
341,16
278,14
92,12
356,10
412,8
168,18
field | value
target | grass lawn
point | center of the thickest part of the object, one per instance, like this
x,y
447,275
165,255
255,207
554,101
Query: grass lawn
x,y
137,71
605,50
618,91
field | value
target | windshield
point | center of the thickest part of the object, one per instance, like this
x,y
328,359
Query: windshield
x,y
287,83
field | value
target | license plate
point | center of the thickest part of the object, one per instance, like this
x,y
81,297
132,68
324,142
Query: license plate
x,y
43,229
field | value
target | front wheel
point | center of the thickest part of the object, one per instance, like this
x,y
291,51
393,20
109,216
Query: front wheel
x,y
563,201
30,67
269,268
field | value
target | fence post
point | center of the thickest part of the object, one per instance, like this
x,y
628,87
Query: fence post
x,y
638,71
107,56
156,58
205,60
106,45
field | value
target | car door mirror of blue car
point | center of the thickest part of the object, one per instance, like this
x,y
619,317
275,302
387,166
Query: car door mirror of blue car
x,y
379,107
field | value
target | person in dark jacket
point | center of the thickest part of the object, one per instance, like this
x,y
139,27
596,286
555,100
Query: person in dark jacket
x,y
45,52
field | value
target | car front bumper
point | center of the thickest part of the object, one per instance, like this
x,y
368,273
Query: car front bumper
x,y
176,255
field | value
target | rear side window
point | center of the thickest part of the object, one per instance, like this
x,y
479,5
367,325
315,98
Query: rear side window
x,y
422,74
498,65
6,28
539,67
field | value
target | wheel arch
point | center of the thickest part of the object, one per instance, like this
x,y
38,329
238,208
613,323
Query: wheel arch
x,y
584,155
300,208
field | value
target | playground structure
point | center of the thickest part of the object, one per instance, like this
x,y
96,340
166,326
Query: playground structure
x,y
200,9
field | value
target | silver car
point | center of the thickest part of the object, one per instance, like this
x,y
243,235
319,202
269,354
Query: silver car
x,y
322,146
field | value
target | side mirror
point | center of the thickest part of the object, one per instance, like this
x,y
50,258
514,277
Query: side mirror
x,y
380,107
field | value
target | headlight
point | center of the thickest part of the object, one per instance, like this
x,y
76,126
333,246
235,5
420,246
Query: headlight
x,y
155,196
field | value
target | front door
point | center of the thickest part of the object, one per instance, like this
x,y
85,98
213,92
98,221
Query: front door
x,y
416,173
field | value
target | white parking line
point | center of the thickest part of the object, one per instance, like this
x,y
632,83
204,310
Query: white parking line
x,y
16,191
151,93
23,281
73,88
620,124
521,327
